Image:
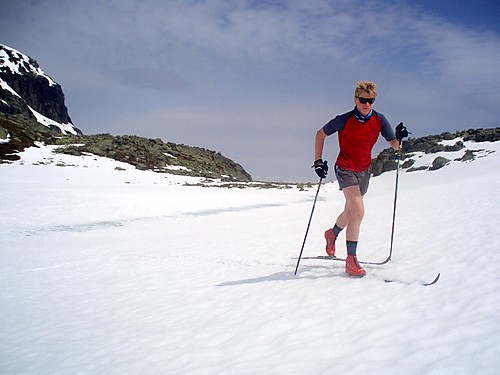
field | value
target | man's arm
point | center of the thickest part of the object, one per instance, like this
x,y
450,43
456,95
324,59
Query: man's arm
x,y
395,144
319,143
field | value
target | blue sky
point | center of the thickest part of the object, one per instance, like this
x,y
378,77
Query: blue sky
x,y
256,79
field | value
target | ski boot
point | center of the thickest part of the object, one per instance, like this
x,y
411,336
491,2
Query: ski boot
x,y
330,242
352,267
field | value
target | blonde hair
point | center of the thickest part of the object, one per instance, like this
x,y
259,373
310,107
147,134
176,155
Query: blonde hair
x,y
368,87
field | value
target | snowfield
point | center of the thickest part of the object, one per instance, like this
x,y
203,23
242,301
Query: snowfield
x,y
119,271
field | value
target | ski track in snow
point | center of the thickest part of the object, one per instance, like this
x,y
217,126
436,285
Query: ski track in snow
x,y
107,272
89,226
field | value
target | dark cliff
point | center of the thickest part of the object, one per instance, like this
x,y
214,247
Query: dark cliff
x,y
25,86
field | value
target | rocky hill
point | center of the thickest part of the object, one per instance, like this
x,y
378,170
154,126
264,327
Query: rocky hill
x,y
18,132
413,148
32,109
155,155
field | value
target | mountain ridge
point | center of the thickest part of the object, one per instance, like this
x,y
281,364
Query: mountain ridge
x,y
32,109
27,90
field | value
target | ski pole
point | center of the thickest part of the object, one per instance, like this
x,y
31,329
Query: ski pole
x,y
308,225
395,200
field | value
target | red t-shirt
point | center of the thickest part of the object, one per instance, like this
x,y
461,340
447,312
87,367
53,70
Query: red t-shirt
x,y
356,138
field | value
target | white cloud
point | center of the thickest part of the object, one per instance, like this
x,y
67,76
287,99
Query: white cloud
x,y
152,78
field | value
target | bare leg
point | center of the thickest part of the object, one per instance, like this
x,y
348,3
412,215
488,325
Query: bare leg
x,y
353,213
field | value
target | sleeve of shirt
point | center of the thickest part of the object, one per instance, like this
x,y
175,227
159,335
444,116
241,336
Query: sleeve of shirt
x,y
386,129
336,124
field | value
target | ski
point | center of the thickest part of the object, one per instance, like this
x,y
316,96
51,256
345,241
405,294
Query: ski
x,y
433,281
334,258
327,257
423,283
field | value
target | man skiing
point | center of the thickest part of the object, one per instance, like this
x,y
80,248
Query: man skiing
x,y
358,131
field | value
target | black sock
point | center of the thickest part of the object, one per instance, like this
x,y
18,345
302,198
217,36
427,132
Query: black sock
x,y
352,247
337,230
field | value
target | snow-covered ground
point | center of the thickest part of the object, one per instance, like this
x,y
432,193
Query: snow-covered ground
x,y
111,271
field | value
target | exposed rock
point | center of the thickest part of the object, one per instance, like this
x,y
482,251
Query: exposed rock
x,y
386,160
11,104
155,155
24,85
438,163
468,156
38,94
408,163
22,133
143,153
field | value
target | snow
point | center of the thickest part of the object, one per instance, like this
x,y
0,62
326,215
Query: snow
x,y
109,270
21,61
21,64
5,86
5,140
425,160
177,168
451,142
65,128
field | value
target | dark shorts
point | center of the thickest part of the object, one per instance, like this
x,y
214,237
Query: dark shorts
x,y
347,178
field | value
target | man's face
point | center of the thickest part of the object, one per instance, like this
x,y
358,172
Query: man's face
x,y
366,107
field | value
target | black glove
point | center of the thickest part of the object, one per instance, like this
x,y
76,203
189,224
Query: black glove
x,y
321,168
401,132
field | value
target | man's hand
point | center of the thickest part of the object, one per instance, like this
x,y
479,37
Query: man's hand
x,y
321,168
401,132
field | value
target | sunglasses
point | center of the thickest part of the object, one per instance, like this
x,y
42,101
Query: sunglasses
x,y
365,100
